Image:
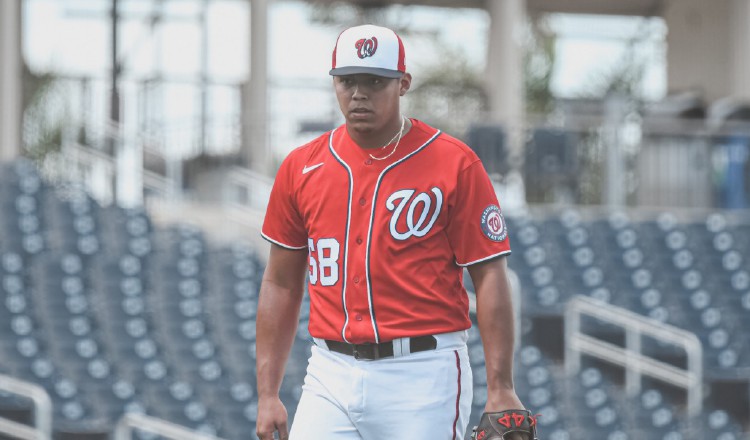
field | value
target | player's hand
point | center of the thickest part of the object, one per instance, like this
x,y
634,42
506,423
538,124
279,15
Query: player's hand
x,y
502,401
272,417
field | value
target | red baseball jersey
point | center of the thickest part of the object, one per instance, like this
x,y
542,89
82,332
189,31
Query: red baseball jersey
x,y
387,239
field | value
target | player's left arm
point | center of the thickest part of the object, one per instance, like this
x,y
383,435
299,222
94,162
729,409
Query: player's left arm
x,y
495,322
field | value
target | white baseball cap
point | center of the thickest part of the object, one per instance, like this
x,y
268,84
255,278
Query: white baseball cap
x,y
369,49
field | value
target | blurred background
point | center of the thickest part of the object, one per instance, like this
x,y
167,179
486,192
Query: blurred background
x,y
138,144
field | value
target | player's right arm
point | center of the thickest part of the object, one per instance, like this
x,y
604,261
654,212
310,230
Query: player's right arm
x,y
279,304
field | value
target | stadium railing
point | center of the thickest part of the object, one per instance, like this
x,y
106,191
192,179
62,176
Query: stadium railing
x,y
42,429
631,357
142,422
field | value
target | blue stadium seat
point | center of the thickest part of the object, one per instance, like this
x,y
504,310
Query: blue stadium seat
x,y
108,311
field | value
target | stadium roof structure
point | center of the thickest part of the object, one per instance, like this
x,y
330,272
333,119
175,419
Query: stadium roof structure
x,y
643,8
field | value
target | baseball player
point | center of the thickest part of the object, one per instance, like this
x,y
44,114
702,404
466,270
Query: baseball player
x,y
381,215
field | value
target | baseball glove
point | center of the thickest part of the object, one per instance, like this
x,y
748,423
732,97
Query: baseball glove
x,y
497,426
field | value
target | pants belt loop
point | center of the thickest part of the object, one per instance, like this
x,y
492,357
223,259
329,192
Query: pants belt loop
x,y
406,345
401,347
397,348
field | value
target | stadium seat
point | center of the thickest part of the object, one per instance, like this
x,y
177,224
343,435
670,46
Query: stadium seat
x,y
112,314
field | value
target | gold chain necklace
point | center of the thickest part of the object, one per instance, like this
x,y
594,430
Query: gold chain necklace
x,y
398,135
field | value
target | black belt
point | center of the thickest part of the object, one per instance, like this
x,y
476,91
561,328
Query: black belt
x,y
373,351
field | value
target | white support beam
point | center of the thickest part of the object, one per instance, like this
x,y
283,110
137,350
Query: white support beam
x,y
698,45
255,125
11,74
740,48
504,72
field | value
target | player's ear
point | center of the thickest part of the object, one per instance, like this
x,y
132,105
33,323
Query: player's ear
x,y
404,83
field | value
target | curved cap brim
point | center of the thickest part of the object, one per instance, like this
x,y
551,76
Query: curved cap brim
x,y
353,70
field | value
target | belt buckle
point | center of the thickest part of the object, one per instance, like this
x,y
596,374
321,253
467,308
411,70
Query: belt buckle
x,y
364,349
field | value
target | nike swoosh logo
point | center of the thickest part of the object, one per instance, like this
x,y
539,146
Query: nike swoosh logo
x,y
307,169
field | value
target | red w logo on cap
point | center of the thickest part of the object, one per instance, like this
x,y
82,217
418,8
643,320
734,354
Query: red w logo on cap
x,y
366,47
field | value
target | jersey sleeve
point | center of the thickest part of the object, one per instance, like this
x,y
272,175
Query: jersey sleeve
x,y
283,224
476,230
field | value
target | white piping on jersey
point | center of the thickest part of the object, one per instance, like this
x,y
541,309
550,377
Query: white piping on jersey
x,y
369,230
500,254
281,244
346,236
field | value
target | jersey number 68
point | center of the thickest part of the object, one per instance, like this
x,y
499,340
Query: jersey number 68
x,y
326,267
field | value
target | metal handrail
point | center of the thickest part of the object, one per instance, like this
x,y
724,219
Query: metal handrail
x,y
630,356
42,429
19,430
130,421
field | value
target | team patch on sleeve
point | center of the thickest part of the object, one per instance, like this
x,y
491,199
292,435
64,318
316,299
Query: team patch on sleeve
x,y
493,223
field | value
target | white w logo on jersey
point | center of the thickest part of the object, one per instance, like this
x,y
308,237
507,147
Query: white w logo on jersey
x,y
416,227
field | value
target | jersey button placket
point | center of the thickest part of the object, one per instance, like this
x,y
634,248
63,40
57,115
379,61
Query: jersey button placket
x,y
362,202
359,240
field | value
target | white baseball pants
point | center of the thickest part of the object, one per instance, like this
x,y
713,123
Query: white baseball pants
x,y
424,395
